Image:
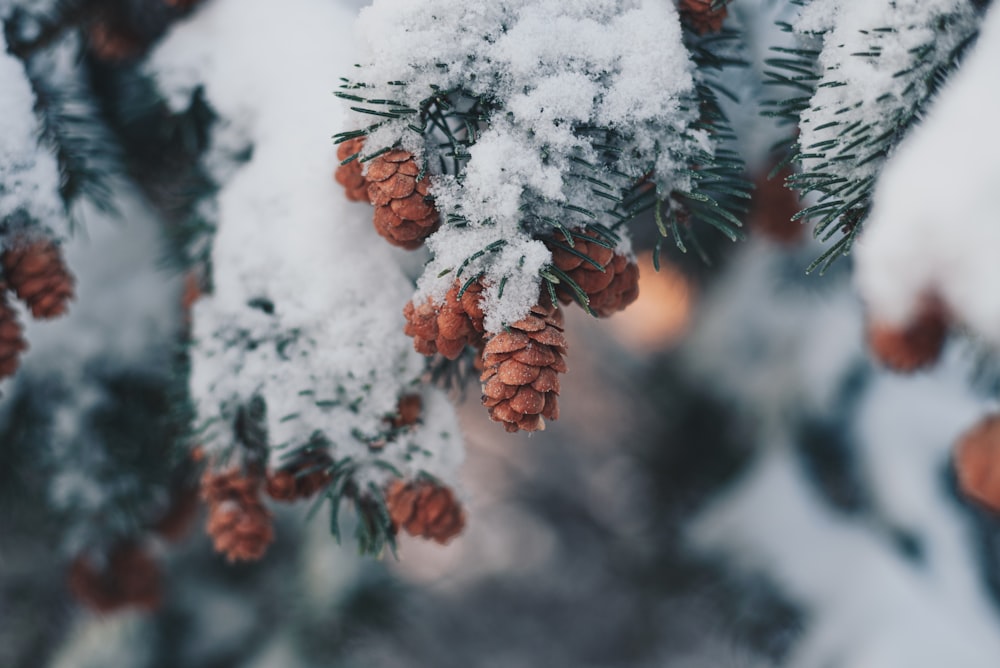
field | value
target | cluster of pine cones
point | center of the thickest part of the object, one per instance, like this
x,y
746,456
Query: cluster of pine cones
x,y
520,365
35,272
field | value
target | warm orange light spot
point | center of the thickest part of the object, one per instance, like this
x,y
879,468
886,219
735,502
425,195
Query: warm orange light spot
x,y
661,315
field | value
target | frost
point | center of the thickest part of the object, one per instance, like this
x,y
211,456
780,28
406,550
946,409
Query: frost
x,y
306,308
934,226
554,83
29,175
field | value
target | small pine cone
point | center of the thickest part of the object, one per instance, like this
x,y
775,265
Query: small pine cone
x,y
350,175
772,206
402,214
39,277
610,290
12,342
425,510
408,411
912,346
701,17
301,480
448,327
239,524
977,462
129,578
522,363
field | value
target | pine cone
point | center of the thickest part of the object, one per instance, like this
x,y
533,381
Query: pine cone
x,y
700,17
977,462
12,342
239,524
408,411
772,206
402,214
38,276
129,578
913,346
522,363
610,290
350,175
448,327
425,510
301,480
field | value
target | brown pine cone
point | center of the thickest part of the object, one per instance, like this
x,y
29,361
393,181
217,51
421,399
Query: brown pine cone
x,y
402,214
977,462
425,510
12,342
522,363
36,273
129,578
350,175
772,206
447,328
408,411
610,290
700,17
301,480
239,524
913,346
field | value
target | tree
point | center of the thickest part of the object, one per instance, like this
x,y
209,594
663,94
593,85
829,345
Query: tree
x,y
237,333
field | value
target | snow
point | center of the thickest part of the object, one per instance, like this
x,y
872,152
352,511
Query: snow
x,y
783,352
869,45
29,175
545,68
306,311
933,228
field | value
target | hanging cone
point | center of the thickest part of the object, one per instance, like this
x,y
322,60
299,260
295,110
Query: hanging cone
x,y
446,328
408,411
301,480
402,214
610,290
239,524
425,510
977,462
349,175
38,276
521,367
12,342
912,346
128,578
701,17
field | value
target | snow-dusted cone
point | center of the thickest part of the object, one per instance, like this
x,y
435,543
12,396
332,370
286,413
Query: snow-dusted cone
x,y
127,578
446,328
403,216
425,510
349,175
239,524
700,15
301,480
521,370
610,290
12,342
38,275
913,346
977,462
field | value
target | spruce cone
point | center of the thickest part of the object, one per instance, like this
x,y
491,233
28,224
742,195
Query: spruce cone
x,y
448,327
12,342
425,510
129,578
239,524
402,214
522,363
301,480
39,277
977,462
700,17
350,175
610,290
913,346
